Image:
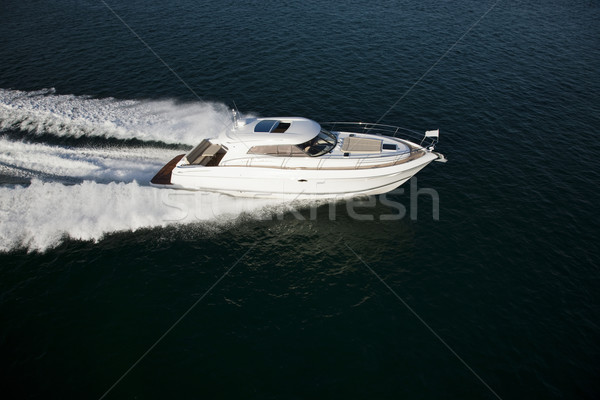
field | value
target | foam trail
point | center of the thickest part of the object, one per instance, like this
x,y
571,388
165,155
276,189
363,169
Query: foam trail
x,y
41,215
104,195
121,164
43,112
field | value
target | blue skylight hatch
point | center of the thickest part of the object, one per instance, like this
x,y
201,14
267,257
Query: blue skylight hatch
x,y
272,126
266,125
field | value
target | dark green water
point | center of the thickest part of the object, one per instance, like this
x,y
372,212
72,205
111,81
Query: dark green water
x,y
96,266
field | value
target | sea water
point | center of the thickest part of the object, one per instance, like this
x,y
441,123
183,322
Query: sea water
x,y
478,279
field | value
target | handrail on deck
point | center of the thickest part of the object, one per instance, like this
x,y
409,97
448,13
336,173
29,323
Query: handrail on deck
x,y
381,129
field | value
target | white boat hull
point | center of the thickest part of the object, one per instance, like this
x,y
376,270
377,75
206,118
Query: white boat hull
x,y
296,158
280,183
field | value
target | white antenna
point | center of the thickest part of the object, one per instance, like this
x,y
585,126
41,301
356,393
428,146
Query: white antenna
x,y
236,114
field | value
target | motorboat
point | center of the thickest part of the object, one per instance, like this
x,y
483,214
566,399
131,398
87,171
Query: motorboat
x,y
298,158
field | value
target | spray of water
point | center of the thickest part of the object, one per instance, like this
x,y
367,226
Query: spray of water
x,y
120,164
85,193
43,112
41,215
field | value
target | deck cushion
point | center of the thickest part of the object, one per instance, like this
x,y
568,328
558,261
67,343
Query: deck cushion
x,y
361,145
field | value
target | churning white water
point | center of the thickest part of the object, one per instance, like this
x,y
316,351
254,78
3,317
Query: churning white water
x,y
84,192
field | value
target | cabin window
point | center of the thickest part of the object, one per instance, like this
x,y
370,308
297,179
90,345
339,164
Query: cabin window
x,y
271,125
281,150
321,144
265,126
281,127
269,150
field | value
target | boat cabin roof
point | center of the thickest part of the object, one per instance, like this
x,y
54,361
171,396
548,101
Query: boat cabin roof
x,y
281,130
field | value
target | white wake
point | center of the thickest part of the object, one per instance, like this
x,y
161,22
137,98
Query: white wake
x,y
43,111
84,193
41,215
120,164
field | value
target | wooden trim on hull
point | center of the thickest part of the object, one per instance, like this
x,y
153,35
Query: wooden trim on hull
x,y
163,177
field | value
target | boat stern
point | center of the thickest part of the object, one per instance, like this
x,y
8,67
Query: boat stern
x,y
163,177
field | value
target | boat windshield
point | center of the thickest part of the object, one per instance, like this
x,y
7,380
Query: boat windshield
x,y
321,144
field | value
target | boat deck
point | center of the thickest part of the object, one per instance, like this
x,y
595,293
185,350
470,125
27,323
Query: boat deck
x,y
163,177
334,163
